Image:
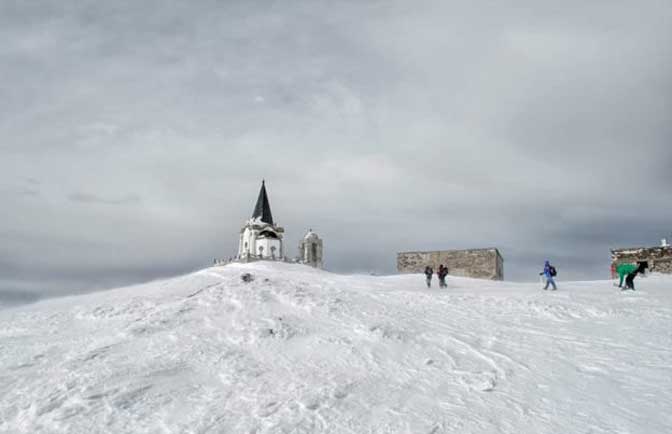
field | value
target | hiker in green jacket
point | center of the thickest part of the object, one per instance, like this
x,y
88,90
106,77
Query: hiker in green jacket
x,y
624,269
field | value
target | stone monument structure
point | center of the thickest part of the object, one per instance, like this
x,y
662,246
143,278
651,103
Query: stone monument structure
x,y
310,250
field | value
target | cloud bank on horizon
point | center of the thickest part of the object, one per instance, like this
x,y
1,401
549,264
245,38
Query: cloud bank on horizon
x,y
135,135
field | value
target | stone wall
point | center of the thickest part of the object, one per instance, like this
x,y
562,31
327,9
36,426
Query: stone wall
x,y
659,258
476,263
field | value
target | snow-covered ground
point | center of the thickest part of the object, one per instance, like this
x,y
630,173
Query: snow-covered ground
x,y
301,351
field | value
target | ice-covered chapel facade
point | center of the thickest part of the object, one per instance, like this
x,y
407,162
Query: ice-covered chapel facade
x,y
262,239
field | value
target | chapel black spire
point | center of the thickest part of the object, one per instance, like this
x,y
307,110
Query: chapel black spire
x,y
263,207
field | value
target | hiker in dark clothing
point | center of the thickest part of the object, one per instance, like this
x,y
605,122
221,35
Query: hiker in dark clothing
x,y
442,273
630,278
428,274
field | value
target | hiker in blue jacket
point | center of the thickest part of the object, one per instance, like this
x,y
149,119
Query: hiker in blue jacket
x,y
549,272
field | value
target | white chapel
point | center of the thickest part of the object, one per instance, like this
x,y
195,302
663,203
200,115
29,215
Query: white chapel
x,y
260,237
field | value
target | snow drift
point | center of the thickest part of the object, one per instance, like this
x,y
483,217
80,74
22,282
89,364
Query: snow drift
x,y
301,350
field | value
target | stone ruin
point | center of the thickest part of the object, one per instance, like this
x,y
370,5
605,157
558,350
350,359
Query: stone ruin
x,y
477,263
658,259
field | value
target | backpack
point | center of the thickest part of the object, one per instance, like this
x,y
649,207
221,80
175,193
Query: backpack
x,y
553,271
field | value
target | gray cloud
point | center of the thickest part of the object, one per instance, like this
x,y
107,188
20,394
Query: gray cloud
x,y
92,198
29,192
542,129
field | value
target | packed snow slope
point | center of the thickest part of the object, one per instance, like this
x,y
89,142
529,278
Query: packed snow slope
x,y
300,350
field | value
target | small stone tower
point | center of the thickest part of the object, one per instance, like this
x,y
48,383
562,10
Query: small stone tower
x,y
310,250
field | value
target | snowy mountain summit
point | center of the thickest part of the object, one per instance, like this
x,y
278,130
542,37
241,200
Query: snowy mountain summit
x,y
300,350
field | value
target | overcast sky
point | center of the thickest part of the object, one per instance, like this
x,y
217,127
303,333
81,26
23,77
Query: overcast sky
x,y
134,135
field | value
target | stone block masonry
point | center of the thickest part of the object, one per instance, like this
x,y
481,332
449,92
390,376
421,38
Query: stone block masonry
x,y
476,263
659,259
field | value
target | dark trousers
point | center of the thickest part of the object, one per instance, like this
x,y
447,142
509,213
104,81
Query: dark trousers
x,y
630,281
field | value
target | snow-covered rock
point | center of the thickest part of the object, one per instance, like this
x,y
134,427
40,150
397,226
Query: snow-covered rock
x,y
302,350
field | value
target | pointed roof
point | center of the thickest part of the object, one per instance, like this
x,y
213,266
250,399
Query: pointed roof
x,y
262,209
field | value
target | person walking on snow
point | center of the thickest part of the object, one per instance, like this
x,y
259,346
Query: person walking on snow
x,y
442,273
428,274
549,273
